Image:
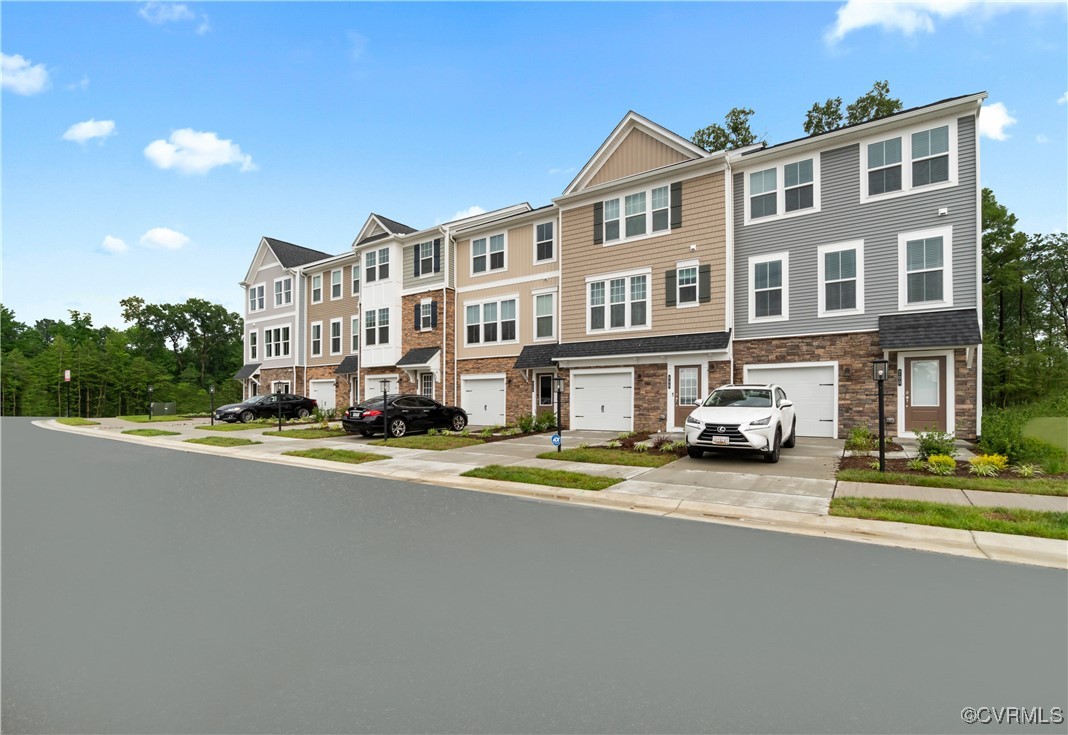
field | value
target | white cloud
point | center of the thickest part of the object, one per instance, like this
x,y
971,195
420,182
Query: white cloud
x,y
357,45
83,131
1041,139
113,245
1063,99
910,17
158,13
22,76
164,238
82,84
469,212
204,27
193,152
993,119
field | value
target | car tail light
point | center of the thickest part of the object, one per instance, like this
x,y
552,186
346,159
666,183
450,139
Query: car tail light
x,y
315,403
367,414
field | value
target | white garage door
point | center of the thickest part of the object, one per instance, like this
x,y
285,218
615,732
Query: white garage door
x,y
483,399
602,401
372,385
812,388
323,392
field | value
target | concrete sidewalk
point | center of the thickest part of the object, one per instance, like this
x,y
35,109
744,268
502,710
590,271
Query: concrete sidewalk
x,y
709,490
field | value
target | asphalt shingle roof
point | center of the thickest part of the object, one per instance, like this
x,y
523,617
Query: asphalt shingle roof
x,y
290,255
929,329
348,365
394,226
645,345
247,371
536,356
418,356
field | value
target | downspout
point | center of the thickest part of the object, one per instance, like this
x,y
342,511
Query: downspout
x,y
455,332
728,287
978,280
444,310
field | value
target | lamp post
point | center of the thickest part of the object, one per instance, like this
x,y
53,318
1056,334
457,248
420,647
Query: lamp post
x,y
211,397
558,383
150,404
879,368
278,396
384,382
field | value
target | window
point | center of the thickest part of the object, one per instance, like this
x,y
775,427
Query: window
x,y
687,285
371,264
335,284
644,213
355,325
317,289
611,220
253,348
277,341
424,253
376,327
335,336
769,287
493,321
661,208
762,193
489,257
925,260
635,204
543,242
930,156
627,305
426,315
545,389
797,181
283,291
543,316
376,265
426,385
884,166
356,279
255,298
841,278
317,339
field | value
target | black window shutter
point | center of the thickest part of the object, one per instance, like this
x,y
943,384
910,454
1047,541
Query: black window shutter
x,y
415,254
437,255
676,205
669,288
433,313
704,284
598,221
418,309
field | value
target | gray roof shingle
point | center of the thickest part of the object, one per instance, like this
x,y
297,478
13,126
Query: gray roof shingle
x,y
348,365
645,345
418,356
290,255
929,329
394,226
247,371
536,356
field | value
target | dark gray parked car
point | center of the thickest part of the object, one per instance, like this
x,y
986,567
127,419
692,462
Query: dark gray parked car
x,y
266,407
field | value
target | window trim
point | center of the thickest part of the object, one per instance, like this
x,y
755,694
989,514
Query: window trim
x,y
422,387
946,233
340,336
354,342
312,352
377,253
482,334
424,272
285,280
780,189
426,319
378,326
606,278
268,341
821,267
754,260
696,265
489,270
905,133
313,289
534,231
538,405
260,297
340,272
253,345
356,278
621,197
534,296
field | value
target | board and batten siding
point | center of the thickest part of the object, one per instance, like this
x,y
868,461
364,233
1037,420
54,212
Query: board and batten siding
x,y
703,225
638,153
843,218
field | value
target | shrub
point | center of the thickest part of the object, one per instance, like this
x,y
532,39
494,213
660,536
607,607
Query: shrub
x,y
917,464
988,465
873,465
546,420
612,445
625,435
672,447
486,433
861,439
935,443
526,422
941,464
434,432
658,441
641,448
465,432
1027,470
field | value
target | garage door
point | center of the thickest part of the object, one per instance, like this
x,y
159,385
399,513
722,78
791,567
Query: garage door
x,y
602,401
372,385
812,388
483,399
323,392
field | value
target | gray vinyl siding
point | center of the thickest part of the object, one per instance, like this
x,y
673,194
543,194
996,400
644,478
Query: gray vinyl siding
x,y
841,218
433,280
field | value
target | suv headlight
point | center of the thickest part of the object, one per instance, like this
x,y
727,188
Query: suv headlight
x,y
691,421
761,422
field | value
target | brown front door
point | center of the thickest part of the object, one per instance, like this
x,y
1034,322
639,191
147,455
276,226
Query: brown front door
x,y
925,393
687,390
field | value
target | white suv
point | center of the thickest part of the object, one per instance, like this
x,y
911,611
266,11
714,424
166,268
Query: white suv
x,y
749,417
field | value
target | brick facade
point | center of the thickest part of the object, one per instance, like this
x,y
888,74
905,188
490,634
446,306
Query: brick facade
x,y
412,338
518,390
719,373
342,397
293,376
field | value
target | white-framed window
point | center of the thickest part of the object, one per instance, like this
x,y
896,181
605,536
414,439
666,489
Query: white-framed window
x,y
798,187
316,339
769,287
617,302
490,322
283,291
276,341
355,325
426,385
426,315
424,253
611,220
253,345
841,278
280,386
545,315
544,242
255,297
376,265
686,284
335,336
787,189
920,157
335,284
488,254
645,212
376,326
317,288
356,279
762,193
925,268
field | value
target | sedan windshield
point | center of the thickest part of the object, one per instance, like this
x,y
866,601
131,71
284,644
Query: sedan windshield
x,y
257,399
740,398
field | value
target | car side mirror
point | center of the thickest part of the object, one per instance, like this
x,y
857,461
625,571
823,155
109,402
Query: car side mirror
x,y
698,402
786,404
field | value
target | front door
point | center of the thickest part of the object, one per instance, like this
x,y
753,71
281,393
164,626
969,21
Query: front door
x,y
687,390
925,393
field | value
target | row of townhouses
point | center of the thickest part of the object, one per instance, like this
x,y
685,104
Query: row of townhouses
x,y
661,272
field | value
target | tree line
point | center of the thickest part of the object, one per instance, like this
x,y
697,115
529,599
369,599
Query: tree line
x,y
178,349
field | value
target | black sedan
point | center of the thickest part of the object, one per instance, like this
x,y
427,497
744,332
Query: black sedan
x,y
266,407
405,413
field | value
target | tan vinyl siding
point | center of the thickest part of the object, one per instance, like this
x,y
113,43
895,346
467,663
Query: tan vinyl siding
x,y
524,316
703,225
344,309
519,255
637,153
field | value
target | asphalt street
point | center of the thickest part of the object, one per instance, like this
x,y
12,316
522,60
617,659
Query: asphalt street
x,y
148,590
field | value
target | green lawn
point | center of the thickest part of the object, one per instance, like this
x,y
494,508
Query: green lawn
x,y
425,441
336,455
601,455
538,476
76,421
222,441
1008,484
151,432
236,427
1052,429
971,518
143,418
306,433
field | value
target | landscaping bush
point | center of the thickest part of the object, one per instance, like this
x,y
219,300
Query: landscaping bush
x,y
657,441
1027,470
935,443
941,464
613,445
861,439
546,421
487,432
988,465
917,464
526,422
641,448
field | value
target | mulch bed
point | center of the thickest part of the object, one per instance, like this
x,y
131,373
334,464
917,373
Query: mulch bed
x,y
901,465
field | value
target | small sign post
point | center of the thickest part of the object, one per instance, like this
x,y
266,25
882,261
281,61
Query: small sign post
x,y
66,379
558,437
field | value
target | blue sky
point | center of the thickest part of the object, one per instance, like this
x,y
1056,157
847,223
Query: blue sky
x,y
148,147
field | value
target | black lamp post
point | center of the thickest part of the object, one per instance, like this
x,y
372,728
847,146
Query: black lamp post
x,y
879,369
211,397
558,383
150,404
384,382
278,396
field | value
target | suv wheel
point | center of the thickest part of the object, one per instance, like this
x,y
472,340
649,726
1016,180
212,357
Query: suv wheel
x,y
246,416
397,427
772,456
789,443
